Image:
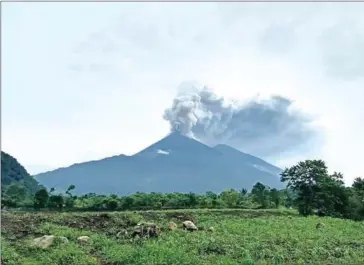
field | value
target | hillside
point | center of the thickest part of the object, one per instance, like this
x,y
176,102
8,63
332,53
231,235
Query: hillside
x,y
12,172
174,164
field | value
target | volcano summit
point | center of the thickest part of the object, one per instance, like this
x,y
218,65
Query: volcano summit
x,y
176,163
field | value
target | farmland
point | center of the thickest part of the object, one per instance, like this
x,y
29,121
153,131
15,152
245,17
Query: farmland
x,y
238,237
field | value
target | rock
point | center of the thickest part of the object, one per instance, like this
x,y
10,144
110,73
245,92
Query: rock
x,y
48,240
43,242
84,239
146,230
211,229
172,226
320,225
188,225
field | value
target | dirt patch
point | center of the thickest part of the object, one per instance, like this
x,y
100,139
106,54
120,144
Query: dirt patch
x,y
95,222
15,227
182,217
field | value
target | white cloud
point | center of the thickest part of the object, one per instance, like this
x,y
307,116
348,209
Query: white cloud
x,y
97,84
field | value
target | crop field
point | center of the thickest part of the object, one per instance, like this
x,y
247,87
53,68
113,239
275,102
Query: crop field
x,y
223,237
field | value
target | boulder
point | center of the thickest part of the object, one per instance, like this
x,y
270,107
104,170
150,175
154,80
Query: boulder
x,y
44,241
146,230
172,226
48,240
190,226
84,239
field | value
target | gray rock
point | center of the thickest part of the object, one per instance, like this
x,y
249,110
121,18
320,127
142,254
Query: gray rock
x,y
190,226
44,241
146,230
84,239
172,226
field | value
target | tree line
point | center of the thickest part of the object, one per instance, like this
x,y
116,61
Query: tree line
x,y
261,196
309,188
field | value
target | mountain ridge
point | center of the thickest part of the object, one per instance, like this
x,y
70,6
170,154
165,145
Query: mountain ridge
x,y
175,163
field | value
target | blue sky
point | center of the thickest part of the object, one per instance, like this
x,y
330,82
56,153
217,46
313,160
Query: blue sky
x,y
82,81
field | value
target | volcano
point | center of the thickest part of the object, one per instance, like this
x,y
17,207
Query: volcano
x,y
176,163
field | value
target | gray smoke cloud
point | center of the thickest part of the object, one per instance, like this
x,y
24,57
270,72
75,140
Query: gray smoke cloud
x,y
260,127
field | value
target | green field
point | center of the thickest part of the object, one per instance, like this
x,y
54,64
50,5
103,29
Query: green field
x,y
239,237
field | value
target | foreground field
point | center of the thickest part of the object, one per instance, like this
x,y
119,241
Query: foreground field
x,y
239,237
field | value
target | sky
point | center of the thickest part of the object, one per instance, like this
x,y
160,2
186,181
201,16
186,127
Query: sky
x,y
84,81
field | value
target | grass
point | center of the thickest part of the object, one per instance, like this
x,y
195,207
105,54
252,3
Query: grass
x,y
241,237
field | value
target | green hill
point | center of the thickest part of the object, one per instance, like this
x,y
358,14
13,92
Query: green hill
x,y
12,172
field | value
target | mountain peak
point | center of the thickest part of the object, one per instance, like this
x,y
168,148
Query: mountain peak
x,y
176,142
176,135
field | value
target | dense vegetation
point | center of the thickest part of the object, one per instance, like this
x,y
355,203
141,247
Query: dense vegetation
x,y
16,183
239,237
310,189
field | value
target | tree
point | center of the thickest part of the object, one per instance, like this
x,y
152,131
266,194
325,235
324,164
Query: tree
x,y
303,178
230,197
192,200
211,195
358,186
7,202
70,201
16,192
114,196
260,194
70,187
317,191
56,201
243,192
111,204
289,198
332,196
356,200
275,197
128,202
41,198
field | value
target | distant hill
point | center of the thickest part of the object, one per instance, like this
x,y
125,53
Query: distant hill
x,y
12,172
174,164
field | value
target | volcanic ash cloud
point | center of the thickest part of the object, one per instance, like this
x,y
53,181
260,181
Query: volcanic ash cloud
x,y
260,127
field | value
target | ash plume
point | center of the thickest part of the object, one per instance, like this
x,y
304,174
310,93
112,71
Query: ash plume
x,y
260,127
